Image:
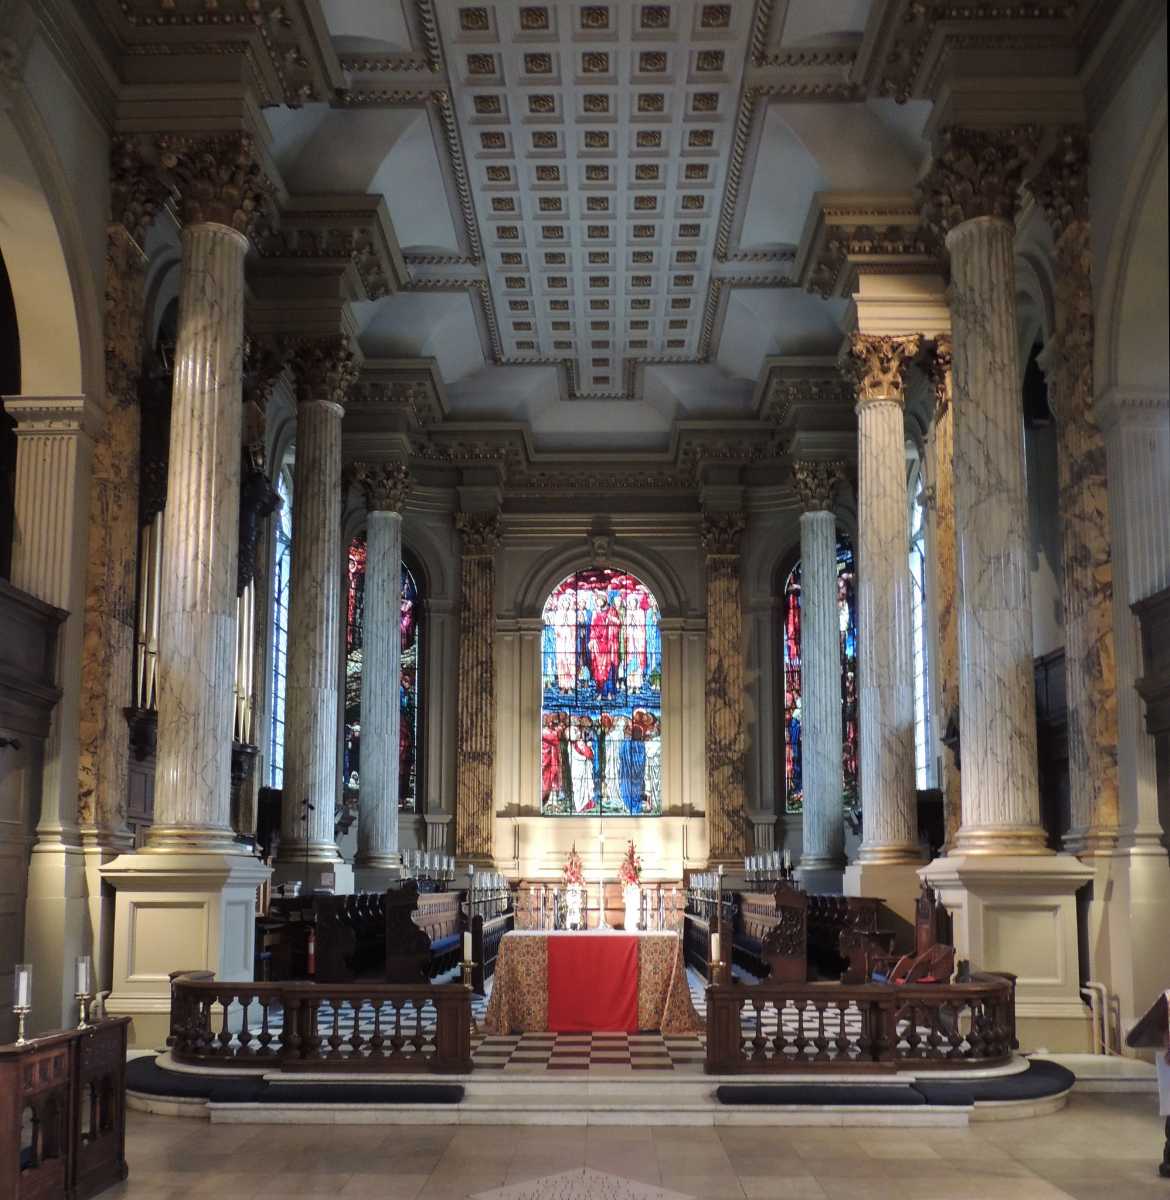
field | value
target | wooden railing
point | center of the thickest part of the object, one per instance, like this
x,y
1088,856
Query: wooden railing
x,y
63,1113
321,1027
864,1027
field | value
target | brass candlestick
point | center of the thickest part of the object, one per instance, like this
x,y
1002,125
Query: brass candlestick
x,y
84,999
467,966
21,1015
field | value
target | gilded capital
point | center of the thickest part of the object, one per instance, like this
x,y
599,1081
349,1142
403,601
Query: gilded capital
x,y
976,173
325,368
481,533
879,365
722,532
137,190
938,363
215,177
815,483
1061,186
385,485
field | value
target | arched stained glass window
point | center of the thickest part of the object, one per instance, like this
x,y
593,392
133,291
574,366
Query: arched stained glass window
x,y
601,689
409,676
281,571
791,616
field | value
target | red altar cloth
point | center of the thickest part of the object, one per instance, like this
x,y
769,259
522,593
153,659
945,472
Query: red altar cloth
x,y
593,984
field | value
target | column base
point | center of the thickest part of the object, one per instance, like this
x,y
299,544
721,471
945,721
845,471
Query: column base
x,y
335,877
56,925
177,912
1018,913
1012,840
821,879
896,883
375,879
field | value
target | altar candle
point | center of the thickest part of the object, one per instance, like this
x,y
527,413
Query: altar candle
x,y
720,870
715,948
467,947
22,986
787,860
83,975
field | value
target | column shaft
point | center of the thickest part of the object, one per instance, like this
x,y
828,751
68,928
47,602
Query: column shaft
x,y
311,712
475,766
726,744
381,708
1001,803
197,628
885,661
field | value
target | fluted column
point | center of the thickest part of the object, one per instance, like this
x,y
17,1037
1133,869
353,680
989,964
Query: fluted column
x,y
972,192
820,667
726,743
324,370
1087,578
942,578
197,628
475,762
385,486
885,667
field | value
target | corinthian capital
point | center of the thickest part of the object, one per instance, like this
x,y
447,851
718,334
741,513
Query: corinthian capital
x,y
137,191
879,365
722,533
976,173
324,367
481,533
216,178
385,485
815,483
938,366
1061,186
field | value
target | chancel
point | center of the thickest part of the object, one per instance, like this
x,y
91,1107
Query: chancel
x,y
588,565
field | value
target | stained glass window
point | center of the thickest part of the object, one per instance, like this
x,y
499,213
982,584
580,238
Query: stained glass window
x,y
281,569
791,615
922,772
601,688
409,676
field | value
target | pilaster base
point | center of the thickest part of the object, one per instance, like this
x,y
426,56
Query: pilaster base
x,y
895,883
375,879
1018,913
178,912
56,931
335,877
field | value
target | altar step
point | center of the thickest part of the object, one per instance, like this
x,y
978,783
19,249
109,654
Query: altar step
x,y
594,1098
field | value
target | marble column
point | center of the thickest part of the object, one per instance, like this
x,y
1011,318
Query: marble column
x,y
972,194
385,486
885,666
942,579
325,371
1061,188
475,764
820,668
727,823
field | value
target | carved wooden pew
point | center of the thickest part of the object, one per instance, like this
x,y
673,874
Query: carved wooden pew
x,y
440,915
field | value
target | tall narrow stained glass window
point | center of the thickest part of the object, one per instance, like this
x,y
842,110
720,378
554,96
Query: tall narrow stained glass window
x,y
601,697
922,762
281,571
408,683
791,618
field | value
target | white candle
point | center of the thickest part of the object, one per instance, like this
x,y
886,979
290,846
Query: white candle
x,y
720,870
22,986
787,859
83,975
715,948
467,947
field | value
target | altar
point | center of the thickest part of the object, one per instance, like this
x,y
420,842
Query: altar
x,y
595,981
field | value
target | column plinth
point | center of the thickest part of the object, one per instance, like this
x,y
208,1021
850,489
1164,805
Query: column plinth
x,y
885,661
820,670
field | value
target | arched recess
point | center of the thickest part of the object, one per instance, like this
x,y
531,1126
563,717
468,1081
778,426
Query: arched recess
x,y
1132,315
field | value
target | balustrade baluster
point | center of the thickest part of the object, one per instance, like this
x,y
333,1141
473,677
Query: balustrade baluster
x,y
264,1037
224,999
397,1041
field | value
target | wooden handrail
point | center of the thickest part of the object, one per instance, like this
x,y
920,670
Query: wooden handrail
x,y
320,1026
866,1027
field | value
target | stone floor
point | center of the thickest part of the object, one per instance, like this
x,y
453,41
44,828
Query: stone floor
x,y
1101,1146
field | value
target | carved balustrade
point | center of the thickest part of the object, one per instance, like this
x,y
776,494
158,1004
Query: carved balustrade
x,y
867,1027
313,1027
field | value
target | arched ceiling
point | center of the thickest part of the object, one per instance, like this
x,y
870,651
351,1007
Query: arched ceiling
x,y
600,206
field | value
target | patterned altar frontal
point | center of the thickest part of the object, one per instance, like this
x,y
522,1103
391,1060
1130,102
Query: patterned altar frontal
x,y
601,689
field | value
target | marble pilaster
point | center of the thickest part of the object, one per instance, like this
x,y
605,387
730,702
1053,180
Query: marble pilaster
x,y
325,371
820,667
972,193
1090,670
942,579
727,821
475,763
885,661
385,486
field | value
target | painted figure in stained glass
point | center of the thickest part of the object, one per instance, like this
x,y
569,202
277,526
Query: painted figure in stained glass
x,y
601,681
